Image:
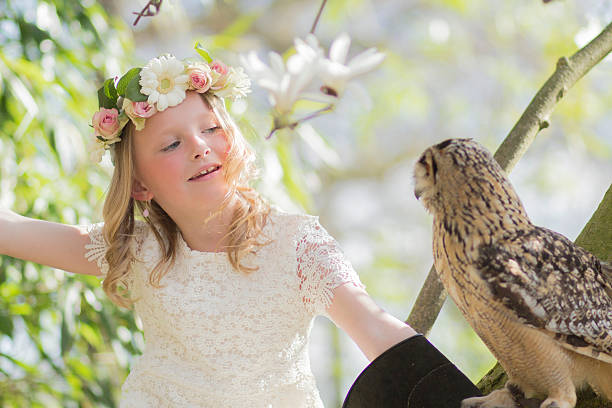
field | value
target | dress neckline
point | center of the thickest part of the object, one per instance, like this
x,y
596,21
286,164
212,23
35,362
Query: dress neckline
x,y
194,252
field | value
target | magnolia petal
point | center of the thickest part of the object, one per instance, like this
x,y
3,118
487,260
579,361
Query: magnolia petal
x,y
366,61
339,48
271,85
296,64
309,49
277,64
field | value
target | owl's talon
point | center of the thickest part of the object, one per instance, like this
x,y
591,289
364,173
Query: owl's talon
x,y
497,399
556,403
475,402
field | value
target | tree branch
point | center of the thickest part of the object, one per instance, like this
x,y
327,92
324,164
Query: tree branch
x,y
149,10
535,118
596,237
316,21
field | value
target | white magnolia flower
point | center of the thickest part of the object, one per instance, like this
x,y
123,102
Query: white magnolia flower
x,y
165,81
336,73
285,84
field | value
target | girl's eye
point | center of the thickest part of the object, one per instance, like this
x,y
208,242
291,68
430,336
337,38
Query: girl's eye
x,y
211,130
171,146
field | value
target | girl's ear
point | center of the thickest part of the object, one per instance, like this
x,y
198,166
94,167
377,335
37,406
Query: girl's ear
x,y
140,192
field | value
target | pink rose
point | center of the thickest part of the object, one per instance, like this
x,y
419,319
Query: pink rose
x,y
200,77
138,111
219,73
219,67
105,123
143,109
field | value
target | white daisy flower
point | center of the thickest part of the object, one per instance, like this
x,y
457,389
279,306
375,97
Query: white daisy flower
x,y
164,80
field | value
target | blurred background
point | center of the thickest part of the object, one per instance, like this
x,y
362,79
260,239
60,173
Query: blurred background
x,y
454,68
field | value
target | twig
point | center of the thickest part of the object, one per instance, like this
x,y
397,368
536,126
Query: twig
x,y
293,125
314,25
146,10
535,118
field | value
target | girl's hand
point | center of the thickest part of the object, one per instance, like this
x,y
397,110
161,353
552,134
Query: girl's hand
x,y
373,329
47,243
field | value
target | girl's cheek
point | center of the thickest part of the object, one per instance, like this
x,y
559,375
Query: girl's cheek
x,y
227,147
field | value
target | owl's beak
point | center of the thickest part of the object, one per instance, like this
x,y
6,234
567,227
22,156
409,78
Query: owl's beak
x,y
417,193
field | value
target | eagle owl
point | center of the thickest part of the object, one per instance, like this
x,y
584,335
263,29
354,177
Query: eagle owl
x,y
541,304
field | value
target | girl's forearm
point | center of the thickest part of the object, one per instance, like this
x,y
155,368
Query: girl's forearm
x,y
371,328
47,243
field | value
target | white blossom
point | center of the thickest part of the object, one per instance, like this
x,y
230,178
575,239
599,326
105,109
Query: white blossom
x,y
336,72
285,84
164,80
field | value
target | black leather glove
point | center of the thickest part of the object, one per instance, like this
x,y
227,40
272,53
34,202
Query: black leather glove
x,y
411,374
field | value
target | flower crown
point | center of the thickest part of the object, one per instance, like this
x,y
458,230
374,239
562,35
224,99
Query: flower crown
x,y
162,83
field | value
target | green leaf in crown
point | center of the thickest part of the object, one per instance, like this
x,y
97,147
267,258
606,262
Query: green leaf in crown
x,y
203,53
125,80
107,95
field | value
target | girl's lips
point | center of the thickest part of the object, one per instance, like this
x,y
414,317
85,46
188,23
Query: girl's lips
x,y
206,176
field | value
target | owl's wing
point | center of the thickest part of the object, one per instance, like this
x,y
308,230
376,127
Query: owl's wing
x,y
547,282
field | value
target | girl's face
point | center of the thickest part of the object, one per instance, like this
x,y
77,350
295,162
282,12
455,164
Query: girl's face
x,y
178,159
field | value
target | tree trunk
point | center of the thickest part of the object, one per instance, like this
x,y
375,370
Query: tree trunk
x,y
595,237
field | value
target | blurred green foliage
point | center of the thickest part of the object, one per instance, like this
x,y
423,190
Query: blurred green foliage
x,y
454,68
61,343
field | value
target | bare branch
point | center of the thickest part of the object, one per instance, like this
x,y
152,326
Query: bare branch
x,y
149,10
293,125
314,25
428,304
535,118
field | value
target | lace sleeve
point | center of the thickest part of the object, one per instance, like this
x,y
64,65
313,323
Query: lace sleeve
x,y
321,266
96,249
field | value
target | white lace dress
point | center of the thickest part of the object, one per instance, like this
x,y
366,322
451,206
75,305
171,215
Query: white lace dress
x,y
218,338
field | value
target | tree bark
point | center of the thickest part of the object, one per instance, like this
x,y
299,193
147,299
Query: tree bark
x,y
595,237
535,118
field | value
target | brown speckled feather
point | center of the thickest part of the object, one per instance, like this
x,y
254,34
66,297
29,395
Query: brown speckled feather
x,y
540,303
549,283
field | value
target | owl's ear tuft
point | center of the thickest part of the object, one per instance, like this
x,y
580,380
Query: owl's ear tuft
x,y
443,144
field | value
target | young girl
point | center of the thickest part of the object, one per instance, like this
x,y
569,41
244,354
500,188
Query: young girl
x,y
226,285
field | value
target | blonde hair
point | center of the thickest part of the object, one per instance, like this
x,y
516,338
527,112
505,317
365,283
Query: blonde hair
x,y
249,217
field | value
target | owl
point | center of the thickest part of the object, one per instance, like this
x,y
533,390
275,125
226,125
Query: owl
x,y
541,304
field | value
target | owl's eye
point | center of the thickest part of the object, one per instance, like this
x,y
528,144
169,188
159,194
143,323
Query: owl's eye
x,y
434,167
426,163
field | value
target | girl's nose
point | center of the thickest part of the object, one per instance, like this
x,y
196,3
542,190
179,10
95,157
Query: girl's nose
x,y
200,149
201,152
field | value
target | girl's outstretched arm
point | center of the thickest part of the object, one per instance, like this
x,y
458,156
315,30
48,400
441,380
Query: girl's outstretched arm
x,y
47,243
373,329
